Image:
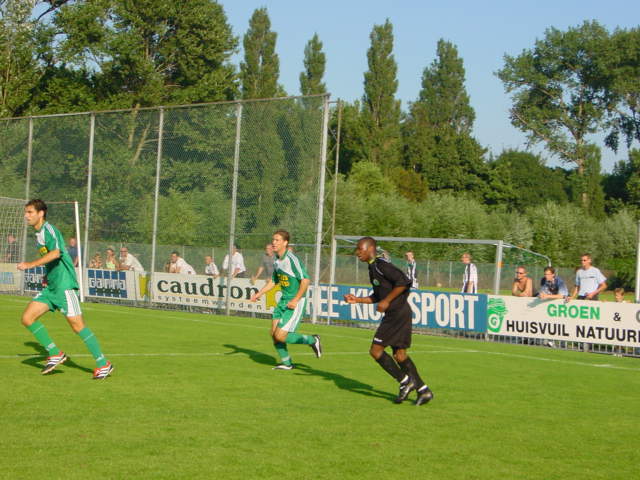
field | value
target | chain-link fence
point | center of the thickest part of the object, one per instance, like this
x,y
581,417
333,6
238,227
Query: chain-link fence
x,y
193,179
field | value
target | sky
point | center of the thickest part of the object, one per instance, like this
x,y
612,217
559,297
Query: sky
x,y
482,31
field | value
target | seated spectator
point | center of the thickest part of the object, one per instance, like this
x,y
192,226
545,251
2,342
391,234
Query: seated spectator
x,y
237,264
11,251
96,261
128,261
552,286
72,250
179,265
110,261
210,268
522,284
619,295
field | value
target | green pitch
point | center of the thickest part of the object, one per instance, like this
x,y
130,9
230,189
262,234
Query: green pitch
x,y
194,396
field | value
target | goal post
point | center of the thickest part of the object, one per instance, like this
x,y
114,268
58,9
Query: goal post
x,y
499,245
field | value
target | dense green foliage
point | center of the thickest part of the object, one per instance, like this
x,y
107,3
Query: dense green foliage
x,y
403,169
194,396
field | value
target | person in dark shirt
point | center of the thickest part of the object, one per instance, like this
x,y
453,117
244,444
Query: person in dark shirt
x,y
391,291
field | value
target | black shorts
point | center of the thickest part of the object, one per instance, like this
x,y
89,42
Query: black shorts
x,y
394,330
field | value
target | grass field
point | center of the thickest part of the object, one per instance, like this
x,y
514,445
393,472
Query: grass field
x,y
194,396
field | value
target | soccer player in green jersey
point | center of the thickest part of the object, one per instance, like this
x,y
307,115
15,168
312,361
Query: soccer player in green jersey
x,y
60,292
290,274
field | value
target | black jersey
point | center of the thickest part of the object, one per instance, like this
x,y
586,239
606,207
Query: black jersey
x,y
384,277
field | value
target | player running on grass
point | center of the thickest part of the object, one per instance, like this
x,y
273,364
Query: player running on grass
x,y
390,291
290,274
60,293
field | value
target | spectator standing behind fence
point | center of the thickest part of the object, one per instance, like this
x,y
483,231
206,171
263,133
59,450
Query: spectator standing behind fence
x,y
237,264
619,295
522,284
111,262
470,277
412,271
552,286
11,251
128,261
266,266
180,265
590,281
72,250
96,261
210,268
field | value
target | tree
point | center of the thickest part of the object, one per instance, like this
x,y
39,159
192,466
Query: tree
x,y
622,186
380,109
261,67
19,72
558,94
520,179
314,64
150,52
438,128
621,65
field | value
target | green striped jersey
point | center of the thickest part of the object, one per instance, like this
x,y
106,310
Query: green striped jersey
x,y
288,272
61,275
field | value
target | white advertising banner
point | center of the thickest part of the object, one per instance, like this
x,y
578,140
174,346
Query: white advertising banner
x,y
608,323
209,292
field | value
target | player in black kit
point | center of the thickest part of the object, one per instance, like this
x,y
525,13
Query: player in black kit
x,y
390,291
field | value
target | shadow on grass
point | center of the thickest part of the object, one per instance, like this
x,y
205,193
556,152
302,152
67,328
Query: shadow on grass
x,y
340,381
36,361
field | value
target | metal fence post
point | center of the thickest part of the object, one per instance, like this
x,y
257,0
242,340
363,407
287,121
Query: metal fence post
x,y
234,199
498,272
92,129
155,199
27,192
323,163
638,266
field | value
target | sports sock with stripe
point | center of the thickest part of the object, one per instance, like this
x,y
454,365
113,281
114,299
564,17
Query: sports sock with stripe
x,y
281,348
90,340
39,331
390,366
410,369
300,338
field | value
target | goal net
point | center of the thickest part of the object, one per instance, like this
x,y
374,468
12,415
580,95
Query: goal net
x,y
12,243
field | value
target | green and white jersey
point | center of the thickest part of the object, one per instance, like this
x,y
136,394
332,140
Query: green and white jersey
x,y
60,272
288,272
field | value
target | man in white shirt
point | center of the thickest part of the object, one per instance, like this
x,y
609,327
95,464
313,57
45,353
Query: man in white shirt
x,y
179,265
237,264
128,261
590,281
210,268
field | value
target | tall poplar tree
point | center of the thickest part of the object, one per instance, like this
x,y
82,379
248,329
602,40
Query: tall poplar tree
x,y
438,128
261,67
380,109
314,63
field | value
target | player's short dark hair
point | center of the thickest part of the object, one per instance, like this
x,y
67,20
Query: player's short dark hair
x,y
550,269
284,234
175,253
38,204
369,240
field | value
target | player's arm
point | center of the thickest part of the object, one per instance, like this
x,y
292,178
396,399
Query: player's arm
x,y
46,258
601,288
304,284
270,284
393,294
351,298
